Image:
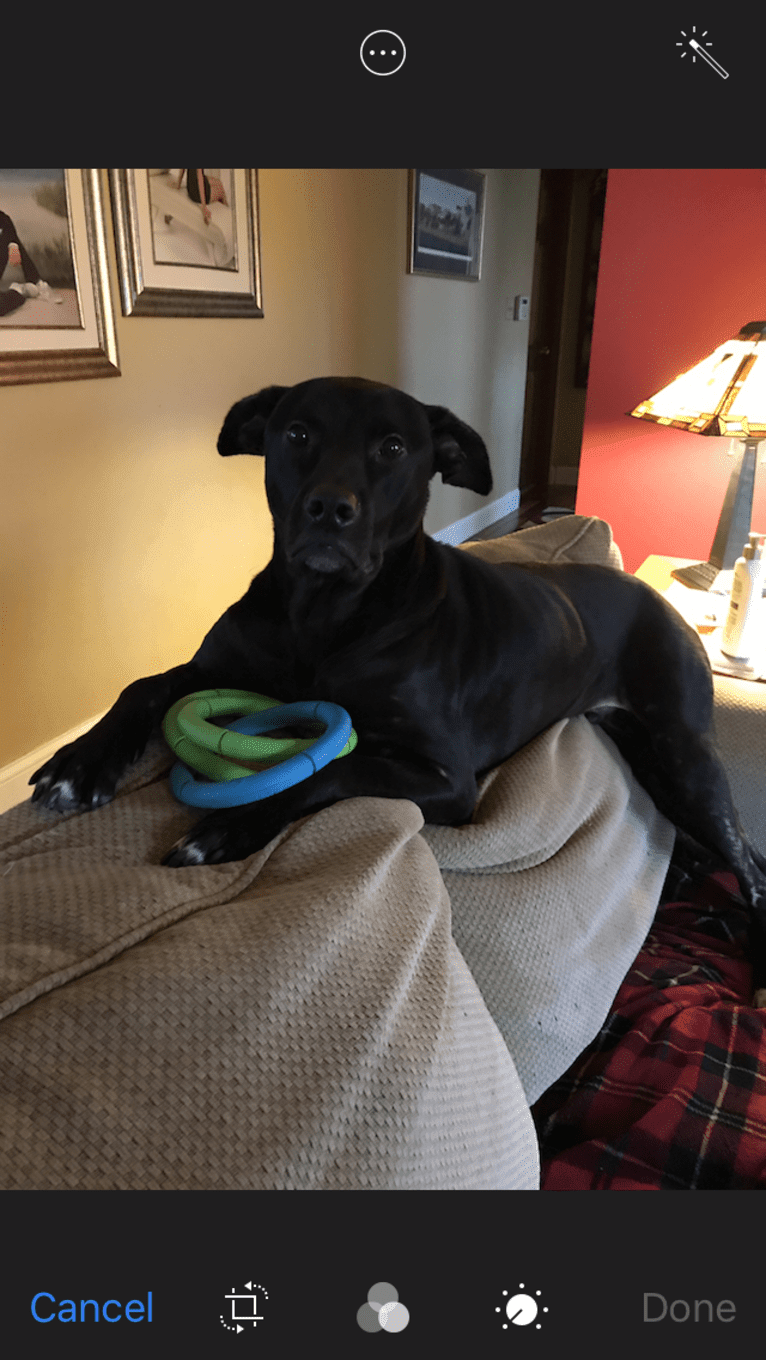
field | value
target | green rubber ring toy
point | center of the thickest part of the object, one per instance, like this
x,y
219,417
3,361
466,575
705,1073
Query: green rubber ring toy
x,y
204,746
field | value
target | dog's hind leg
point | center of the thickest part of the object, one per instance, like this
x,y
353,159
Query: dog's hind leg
x,y
683,774
668,687
698,799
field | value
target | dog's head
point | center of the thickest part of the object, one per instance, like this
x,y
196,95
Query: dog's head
x,y
348,464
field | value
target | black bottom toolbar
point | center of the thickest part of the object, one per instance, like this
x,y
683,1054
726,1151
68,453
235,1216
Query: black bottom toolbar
x,y
490,1274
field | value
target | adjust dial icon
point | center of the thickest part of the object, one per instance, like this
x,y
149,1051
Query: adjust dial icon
x,y
522,1309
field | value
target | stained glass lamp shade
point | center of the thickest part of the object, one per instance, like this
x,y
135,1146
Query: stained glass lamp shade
x,y
724,395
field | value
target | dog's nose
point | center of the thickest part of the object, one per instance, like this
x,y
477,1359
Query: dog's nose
x,y
329,508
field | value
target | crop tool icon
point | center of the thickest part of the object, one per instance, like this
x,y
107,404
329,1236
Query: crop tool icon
x,y
244,1307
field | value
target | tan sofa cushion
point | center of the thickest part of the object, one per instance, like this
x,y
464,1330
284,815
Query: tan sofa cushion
x,y
326,1014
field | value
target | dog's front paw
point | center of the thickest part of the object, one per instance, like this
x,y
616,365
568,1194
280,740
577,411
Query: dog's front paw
x,y
75,778
217,839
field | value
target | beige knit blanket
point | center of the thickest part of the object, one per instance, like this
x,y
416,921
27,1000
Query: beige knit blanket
x,y
326,1014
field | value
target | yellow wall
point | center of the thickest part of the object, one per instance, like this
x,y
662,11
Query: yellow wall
x,y
123,534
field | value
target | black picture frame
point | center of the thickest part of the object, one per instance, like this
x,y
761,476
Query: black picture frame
x,y
446,223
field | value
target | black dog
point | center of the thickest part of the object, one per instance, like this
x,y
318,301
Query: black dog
x,y
446,664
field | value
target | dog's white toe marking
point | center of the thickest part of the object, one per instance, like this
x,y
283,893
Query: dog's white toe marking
x,y
192,853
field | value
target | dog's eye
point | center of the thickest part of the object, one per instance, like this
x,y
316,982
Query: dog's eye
x,y
392,448
298,436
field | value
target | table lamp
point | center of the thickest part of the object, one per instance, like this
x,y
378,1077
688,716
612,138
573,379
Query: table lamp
x,y
724,395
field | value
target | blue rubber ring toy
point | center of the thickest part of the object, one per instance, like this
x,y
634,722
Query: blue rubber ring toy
x,y
199,743
235,792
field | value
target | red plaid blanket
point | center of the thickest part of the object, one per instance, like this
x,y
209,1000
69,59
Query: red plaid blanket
x,y
671,1095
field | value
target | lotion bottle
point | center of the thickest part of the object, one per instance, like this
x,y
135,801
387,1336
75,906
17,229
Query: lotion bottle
x,y
742,632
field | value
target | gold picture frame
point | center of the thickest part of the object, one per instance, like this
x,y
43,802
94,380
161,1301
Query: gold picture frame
x,y
184,256
56,321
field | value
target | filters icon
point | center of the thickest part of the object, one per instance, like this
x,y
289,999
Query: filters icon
x,y
383,1312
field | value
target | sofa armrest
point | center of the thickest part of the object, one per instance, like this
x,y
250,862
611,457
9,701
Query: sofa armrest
x,y
740,725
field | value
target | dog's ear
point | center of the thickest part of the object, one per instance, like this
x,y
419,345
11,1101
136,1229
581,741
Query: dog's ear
x,y
460,454
243,428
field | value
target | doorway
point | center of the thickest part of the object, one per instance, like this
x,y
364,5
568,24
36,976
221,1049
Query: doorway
x,y
570,218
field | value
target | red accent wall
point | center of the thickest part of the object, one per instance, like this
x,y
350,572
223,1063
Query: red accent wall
x,y
682,268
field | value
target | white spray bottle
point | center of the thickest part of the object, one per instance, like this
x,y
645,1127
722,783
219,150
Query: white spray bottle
x,y
743,630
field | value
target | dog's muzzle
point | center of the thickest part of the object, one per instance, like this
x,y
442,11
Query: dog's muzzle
x,y
328,508
327,559
328,513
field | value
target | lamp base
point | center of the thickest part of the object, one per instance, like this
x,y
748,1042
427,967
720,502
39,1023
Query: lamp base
x,y
733,525
701,576
736,515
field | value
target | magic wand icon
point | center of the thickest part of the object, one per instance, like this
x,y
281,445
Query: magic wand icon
x,y
699,50
707,57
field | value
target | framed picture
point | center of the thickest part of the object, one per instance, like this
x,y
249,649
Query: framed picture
x,y
56,319
446,223
187,242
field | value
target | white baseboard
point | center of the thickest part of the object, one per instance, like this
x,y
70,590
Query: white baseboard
x,y
464,529
14,778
